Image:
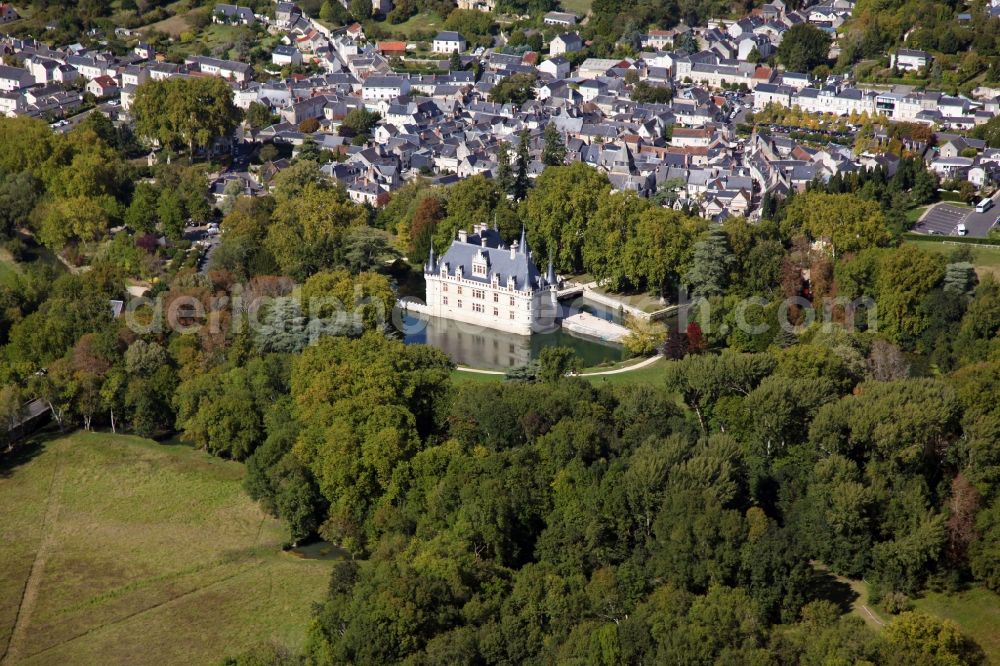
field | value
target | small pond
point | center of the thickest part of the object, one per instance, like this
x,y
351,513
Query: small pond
x,y
319,550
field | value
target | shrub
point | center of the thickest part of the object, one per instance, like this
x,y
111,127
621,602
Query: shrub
x,y
896,603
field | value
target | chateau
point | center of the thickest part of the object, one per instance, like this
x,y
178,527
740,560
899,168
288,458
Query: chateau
x,y
479,281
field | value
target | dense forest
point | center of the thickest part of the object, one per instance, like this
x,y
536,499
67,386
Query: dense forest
x,y
562,522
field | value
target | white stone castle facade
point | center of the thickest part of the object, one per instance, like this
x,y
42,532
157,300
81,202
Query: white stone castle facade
x,y
479,281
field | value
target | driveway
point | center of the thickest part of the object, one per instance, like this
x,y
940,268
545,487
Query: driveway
x,y
200,235
73,121
943,220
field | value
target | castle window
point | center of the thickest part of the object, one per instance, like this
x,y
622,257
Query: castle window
x,y
444,287
477,307
444,300
511,314
496,312
512,301
496,298
478,293
459,290
479,269
460,303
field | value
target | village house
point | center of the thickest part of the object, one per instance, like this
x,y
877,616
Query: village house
x,y
10,104
557,67
286,14
14,78
284,54
227,69
559,18
449,42
355,31
7,13
233,15
103,86
567,42
478,5
658,39
310,42
384,87
691,137
909,59
391,49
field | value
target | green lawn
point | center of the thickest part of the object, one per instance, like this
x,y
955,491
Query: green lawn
x,y
8,273
985,259
119,550
176,23
217,34
651,374
460,377
578,7
913,215
417,23
976,611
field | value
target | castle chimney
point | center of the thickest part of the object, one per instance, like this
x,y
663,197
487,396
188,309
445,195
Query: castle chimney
x,y
463,236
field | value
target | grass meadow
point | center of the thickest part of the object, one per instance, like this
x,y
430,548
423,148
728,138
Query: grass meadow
x,y
976,611
119,550
985,259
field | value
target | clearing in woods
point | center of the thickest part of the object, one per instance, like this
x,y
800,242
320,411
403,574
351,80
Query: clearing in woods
x,y
119,550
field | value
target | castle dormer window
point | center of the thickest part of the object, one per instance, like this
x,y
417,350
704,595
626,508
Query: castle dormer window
x,y
479,264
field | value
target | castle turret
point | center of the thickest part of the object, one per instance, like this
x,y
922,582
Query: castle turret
x,y
429,267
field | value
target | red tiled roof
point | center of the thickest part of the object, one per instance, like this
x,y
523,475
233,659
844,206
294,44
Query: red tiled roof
x,y
690,132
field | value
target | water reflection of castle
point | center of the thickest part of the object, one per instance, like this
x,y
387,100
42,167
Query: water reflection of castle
x,y
476,346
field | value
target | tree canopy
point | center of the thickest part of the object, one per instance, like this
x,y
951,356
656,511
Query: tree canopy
x,y
803,47
185,112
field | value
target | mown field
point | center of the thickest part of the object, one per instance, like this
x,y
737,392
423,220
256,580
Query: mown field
x,y
985,259
976,611
418,23
119,550
578,7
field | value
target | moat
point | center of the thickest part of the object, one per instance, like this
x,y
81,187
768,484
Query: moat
x,y
488,349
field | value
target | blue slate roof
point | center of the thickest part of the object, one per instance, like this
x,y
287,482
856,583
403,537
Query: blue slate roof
x,y
499,261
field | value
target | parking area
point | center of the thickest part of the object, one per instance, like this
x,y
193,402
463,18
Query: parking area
x,y
943,220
